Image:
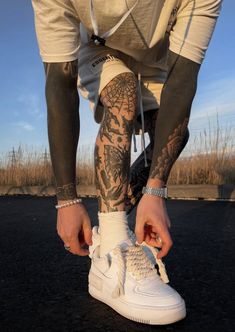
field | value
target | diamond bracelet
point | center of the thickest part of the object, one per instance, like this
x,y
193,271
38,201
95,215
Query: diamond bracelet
x,y
74,201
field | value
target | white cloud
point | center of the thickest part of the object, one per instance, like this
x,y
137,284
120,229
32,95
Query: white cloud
x,y
214,106
31,103
24,125
215,97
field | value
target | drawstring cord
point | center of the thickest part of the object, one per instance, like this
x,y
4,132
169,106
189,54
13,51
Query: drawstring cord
x,y
134,140
101,39
142,121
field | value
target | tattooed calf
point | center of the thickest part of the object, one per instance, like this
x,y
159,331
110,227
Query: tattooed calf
x,y
114,141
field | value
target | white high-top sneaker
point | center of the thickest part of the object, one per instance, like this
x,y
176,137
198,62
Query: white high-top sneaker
x,y
127,281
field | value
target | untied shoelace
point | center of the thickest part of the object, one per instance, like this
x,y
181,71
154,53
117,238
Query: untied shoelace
x,y
135,261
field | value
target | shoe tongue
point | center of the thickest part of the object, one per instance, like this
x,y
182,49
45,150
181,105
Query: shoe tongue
x,y
125,244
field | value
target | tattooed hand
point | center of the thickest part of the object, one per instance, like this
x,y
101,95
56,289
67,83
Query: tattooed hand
x,y
152,224
74,228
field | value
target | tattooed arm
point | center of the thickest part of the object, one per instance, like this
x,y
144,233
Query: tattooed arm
x,y
173,117
152,221
73,223
63,124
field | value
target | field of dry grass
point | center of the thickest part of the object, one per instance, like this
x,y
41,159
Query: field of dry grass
x,y
208,159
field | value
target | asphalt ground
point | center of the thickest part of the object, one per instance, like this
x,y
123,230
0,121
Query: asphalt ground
x,y
44,288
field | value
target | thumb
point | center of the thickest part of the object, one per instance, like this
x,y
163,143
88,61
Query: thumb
x,y
87,232
139,232
76,248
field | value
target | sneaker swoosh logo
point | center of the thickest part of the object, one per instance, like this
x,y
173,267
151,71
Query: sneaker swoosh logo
x,y
137,290
103,274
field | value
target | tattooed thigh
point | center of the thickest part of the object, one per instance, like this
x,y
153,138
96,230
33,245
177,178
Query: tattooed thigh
x,y
119,98
120,95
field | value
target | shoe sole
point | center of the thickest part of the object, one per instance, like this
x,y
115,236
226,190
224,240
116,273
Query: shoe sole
x,y
148,315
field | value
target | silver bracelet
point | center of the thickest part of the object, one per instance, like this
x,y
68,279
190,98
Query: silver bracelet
x,y
74,201
161,192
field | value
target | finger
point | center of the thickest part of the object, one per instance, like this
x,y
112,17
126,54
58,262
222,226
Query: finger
x,y
168,222
81,239
153,241
166,243
147,229
58,226
87,232
139,232
75,248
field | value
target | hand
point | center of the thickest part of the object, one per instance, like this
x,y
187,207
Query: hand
x,y
74,228
152,224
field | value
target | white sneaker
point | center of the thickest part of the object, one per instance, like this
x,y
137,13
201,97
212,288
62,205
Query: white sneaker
x,y
127,281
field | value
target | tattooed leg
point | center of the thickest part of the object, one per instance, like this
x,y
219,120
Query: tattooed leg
x,y
112,150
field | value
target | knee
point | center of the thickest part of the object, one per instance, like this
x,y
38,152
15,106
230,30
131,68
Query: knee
x,y
61,85
60,78
120,95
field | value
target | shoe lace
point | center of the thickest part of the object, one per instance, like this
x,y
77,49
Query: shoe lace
x,y
154,251
135,261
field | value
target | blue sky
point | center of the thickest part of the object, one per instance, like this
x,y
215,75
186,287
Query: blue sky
x,y
23,109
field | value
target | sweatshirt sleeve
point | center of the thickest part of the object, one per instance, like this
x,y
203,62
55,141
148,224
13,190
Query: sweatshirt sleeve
x,y
193,28
57,30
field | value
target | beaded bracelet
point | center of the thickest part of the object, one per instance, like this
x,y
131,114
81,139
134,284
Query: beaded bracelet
x,y
75,201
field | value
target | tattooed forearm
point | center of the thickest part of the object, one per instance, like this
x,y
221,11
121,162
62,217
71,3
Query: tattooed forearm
x,y
170,152
66,192
171,132
112,151
139,173
63,124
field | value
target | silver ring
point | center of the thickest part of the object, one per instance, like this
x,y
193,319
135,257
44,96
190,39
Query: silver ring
x,y
66,247
159,239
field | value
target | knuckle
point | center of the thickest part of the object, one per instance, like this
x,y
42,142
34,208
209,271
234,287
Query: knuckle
x,y
61,236
167,246
80,253
170,244
74,251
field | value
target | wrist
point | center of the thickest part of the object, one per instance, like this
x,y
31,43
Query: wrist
x,y
155,188
155,183
63,204
63,201
66,192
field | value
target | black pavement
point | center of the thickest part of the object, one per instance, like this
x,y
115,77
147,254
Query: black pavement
x,y
44,288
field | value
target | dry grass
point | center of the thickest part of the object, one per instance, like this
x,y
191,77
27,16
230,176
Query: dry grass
x,y
204,169
209,159
24,167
